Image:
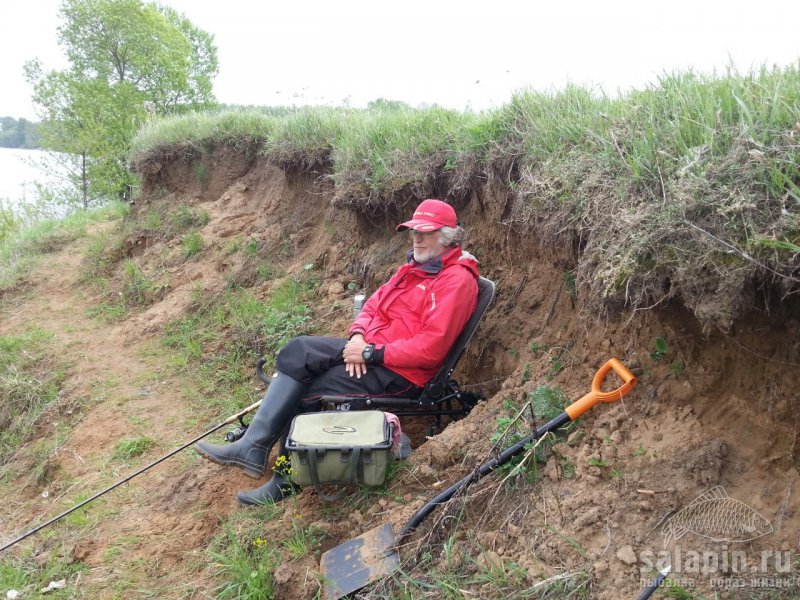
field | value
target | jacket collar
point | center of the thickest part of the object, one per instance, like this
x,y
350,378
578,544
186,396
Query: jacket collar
x,y
432,267
449,258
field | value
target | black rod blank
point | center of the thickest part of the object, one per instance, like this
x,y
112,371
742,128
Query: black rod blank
x,y
227,421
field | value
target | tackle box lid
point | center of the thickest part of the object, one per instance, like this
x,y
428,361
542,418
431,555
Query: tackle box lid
x,y
340,428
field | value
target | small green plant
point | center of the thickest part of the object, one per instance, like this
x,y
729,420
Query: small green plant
x,y
526,373
547,402
640,451
503,577
677,368
536,347
567,468
283,466
107,311
303,541
233,246
286,248
251,248
593,461
200,173
187,218
152,220
661,349
569,283
556,363
83,517
104,250
266,271
247,571
131,448
571,541
137,288
193,243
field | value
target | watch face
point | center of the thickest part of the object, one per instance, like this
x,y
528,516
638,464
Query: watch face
x,y
367,352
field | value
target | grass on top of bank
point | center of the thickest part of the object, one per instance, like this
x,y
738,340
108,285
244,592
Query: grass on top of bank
x,y
688,189
645,136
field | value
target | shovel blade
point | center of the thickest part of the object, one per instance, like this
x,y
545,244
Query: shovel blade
x,y
352,565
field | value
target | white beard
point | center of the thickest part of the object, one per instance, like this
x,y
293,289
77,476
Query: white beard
x,y
422,257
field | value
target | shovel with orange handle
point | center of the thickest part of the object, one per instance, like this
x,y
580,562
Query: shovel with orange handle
x,y
373,555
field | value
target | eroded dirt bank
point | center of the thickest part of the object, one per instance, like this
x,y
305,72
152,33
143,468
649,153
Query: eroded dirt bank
x,y
714,408
711,408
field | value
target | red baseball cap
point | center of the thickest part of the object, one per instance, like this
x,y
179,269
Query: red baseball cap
x,y
431,215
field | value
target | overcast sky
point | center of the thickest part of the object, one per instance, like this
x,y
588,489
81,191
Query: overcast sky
x,y
454,53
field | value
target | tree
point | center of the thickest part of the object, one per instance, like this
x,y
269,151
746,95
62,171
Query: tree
x,y
18,134
124,56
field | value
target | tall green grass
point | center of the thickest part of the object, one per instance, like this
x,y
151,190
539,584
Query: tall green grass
x,y
643,136
23,243
689,188
29,382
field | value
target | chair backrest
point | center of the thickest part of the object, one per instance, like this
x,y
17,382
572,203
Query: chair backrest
x,y
437,386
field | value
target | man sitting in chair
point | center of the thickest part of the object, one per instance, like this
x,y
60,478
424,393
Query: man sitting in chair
x,y
397,344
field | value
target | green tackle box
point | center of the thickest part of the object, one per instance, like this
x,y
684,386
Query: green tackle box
x,y
340,446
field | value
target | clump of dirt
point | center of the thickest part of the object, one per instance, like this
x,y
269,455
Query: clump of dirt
x,y
711,408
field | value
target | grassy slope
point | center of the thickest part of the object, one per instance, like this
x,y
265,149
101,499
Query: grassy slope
x,y
209,351
689,189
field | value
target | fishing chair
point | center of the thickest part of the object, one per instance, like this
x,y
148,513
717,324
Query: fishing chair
x,y
442,396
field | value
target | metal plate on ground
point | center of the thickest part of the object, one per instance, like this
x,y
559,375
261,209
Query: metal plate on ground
x,y
350,566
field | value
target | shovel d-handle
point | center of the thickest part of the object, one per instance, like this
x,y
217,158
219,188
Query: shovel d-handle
x,y
597,395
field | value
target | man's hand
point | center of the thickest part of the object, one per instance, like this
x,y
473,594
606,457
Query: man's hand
x,y
353,358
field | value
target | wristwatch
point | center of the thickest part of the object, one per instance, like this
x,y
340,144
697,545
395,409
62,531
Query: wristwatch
x,y
368,352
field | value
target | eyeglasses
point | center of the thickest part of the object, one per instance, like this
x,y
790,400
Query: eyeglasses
x,y
414,233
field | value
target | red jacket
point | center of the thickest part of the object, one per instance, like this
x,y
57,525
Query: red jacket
x,y
418,314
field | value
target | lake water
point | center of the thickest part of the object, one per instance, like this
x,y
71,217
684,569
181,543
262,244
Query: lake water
x,y
18,172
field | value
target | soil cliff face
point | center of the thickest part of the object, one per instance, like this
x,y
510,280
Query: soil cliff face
x,y
711,409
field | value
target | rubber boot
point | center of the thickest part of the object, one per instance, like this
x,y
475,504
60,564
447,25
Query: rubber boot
x,y
250,453
276,489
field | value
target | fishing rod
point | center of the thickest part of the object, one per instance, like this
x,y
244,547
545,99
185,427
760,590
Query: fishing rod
x,y
231,437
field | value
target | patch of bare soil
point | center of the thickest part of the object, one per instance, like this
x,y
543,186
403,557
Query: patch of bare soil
x,y
710,410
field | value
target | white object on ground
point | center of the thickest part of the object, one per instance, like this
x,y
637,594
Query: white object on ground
x,y
54,585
